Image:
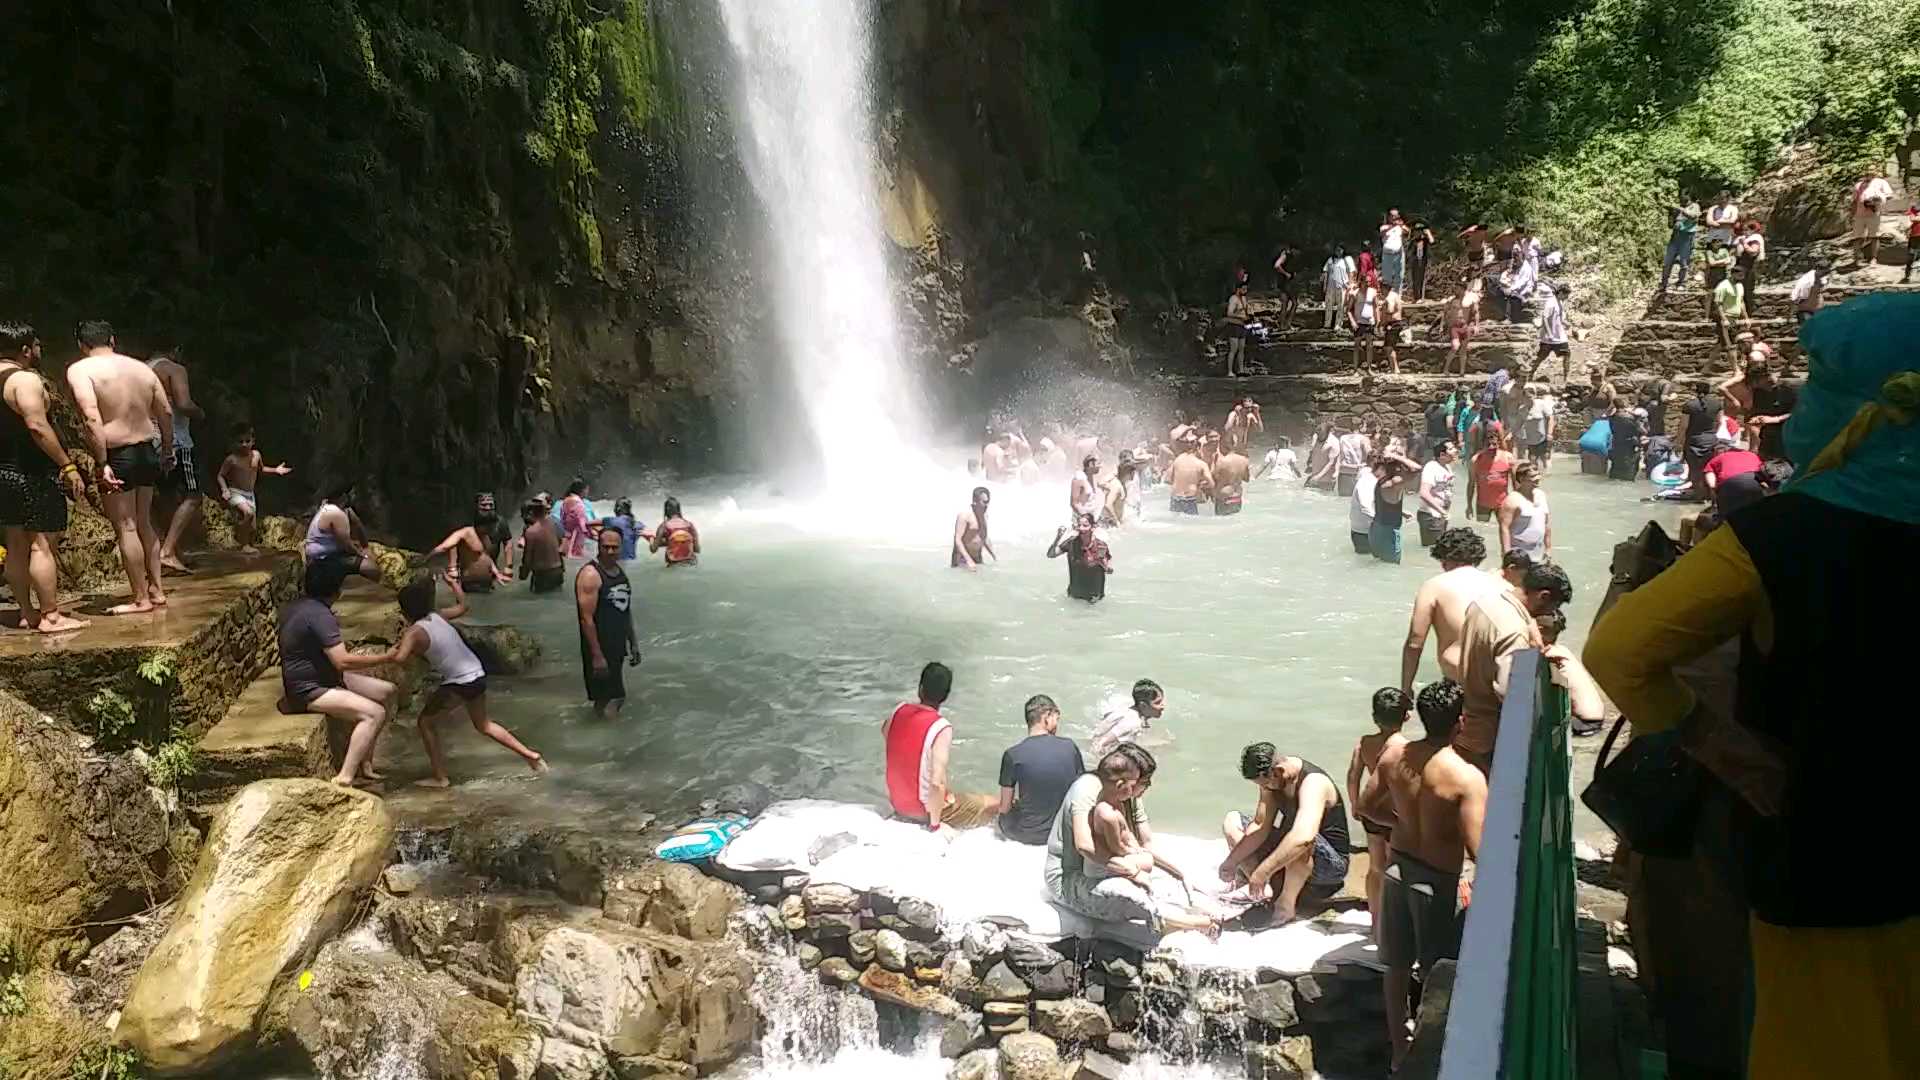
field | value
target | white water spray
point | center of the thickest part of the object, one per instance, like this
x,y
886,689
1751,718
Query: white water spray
x,y
804,123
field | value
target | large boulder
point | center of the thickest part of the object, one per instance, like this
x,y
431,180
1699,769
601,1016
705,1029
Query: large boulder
x,y
672,898
502,649
285,864
83,839
1027,1056
366,1012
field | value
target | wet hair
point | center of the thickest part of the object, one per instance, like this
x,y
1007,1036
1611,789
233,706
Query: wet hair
x,y
1083,517
1039,707
16,338
340,495
1758,369
1145,690
93,333
241,430
531,511
1115,765
670,508
1460,545
416,598
1552,625
979,491
1547,577
323,578
1527,470
1090,459
1516,560
1444,446
936,682
1284,442
577,487
623,506
1141,757
1440,704
1390,704
1256,760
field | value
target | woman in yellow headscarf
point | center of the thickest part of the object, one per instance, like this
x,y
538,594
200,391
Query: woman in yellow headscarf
x,y
1819,585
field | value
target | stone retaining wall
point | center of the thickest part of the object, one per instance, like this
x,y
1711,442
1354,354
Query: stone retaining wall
x,y
1079,1009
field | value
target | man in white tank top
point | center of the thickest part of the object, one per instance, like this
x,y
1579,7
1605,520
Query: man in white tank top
x,y
1524,523
460,679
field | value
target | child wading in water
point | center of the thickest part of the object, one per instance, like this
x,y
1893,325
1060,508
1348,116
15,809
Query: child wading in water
x,y
461,677
1371,801
236,478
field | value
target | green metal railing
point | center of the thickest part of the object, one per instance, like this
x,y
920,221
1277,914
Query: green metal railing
x,y
1512,1013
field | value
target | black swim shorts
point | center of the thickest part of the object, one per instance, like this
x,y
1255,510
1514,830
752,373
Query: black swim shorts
x,y
31,499
549,580
135,465
602,686
181,481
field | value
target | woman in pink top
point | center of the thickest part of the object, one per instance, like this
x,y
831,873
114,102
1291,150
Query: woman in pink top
x,y
574,536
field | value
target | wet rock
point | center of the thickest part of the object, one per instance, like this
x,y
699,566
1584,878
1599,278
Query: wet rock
x,y
1123,1045
809,955
890,949
1214,1001
672,898
745,797
894,987
402,879
1004,1017
360,1004
285,864
562,1060
838,970
793,914
830,899
1125,1008
978,1065
931,976
793,883
964,1034
1160,971
503,650
1026,955
1096,993
860,947
983,943
921,954
1309,989
920,914
831,925
765,894
883,902
956,978
1001,984
1095,1065
899,924
1290,1058
1119,971
642,1067
1027,1056
1059,981
1072,1021
82,837
1272,1004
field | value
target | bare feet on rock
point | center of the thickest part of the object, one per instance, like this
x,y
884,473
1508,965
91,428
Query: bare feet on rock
x,y
141,608
55,623
173,563
540,766
433,782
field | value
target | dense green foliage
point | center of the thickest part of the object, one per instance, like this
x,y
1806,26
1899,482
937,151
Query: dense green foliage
x,y
1186,141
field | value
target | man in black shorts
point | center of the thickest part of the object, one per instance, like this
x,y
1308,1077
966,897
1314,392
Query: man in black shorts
x,y
182,481
123,404
1293,846
1439,805
33,469
605,600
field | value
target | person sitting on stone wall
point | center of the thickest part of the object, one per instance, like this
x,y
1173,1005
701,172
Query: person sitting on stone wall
x,y
319,675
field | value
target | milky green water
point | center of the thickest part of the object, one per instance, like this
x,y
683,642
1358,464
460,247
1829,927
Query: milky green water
x,y
777,658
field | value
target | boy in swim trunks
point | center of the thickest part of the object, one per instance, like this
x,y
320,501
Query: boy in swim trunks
x,y
1371,801
235,481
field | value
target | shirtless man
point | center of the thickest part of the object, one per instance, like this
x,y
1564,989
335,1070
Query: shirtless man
x,y
1368,797
540,559
1190,479
1441,604
1439,806
1230,473
970,543
34,468
1241,423
183,479
1463,322
122,402
997,457
1083,495
471,551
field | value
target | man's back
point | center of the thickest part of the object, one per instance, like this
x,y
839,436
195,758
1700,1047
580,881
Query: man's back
x,y
1189,475
1230,472
542,544
1447,597
1428,784
1495,629
123,390
1040,768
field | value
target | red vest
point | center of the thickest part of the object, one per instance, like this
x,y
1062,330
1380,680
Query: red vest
x,y
909,735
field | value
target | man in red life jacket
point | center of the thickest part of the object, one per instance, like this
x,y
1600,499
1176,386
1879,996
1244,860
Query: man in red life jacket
x,y
918,740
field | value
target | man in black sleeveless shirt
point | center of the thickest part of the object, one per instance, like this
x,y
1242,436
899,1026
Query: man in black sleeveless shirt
x,y
1294,844
605,600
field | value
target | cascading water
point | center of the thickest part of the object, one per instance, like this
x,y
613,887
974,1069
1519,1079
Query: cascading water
x,y
803,122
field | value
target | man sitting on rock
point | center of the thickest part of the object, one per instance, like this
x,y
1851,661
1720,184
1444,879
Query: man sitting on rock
x,y
918,740
1035,774
1297,832
318,673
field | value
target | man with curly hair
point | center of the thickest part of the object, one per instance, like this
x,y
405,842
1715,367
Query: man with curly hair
x,y
1440,607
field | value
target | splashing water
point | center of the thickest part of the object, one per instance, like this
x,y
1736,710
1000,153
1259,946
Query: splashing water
x,y
804,123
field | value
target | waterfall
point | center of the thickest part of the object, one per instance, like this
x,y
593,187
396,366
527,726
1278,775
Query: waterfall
x,y
803,122
805,1023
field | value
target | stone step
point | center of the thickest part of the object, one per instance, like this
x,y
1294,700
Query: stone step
x,y
1702,329
1768,302
1689,358
200,651
1424,330
1332,357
